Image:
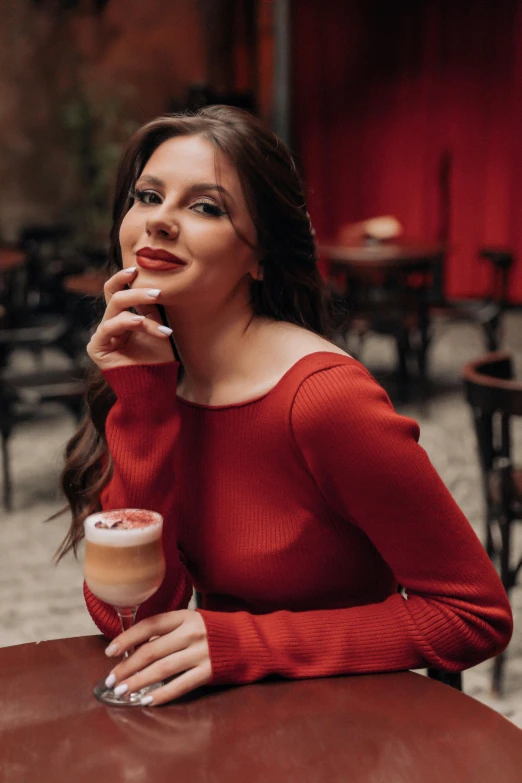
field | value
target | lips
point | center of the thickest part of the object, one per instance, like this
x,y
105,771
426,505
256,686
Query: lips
x,y
157,259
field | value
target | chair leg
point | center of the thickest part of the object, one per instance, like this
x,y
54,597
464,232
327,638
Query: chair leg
x,y
492,330
356,350
498,675
453,679
6,473
403,374
490,545
424,342
506,576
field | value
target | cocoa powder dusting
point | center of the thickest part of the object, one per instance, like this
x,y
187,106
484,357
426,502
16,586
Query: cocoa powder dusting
x,y
131,519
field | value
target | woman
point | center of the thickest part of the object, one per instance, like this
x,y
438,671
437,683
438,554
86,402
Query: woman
x,y
295,499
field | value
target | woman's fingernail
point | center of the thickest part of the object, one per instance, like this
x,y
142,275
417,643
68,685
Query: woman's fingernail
x,y
165,330
153,292
130,270
138,318
112,649
111,679
146,700
120,690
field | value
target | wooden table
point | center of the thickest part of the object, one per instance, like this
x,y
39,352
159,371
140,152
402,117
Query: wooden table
x,y
88,284
359,263
394,728
368,257
10,258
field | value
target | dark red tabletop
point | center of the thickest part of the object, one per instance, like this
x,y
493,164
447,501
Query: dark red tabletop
x,y
10,258
386,728
391,255
88,284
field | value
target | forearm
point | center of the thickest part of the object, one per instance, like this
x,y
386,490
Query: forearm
x,y
389,636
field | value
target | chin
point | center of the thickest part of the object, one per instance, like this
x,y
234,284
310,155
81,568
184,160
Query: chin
x,y
148,278
172,291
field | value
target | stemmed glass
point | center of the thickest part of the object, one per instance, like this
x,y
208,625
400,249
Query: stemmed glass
x,y
124,565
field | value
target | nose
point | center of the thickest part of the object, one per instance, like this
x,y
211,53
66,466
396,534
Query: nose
x,y
163,226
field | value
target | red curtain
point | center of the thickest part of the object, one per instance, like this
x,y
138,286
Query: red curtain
x,y
394,99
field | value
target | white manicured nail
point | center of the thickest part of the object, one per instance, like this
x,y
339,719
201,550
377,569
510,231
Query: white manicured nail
x,y
153,292
146,700
112,649
138,318
111,679
130,270
165,330
120,690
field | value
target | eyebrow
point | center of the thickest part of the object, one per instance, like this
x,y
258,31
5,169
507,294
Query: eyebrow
x,y
192,188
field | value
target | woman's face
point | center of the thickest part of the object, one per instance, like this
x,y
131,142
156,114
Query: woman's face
x,y
180,209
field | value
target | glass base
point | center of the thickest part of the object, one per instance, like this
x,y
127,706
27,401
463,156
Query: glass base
x,y
106,695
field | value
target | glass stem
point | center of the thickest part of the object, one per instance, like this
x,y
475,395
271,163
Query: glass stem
x,y
127,617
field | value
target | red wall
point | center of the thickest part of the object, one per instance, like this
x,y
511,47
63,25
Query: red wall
x,y
385,93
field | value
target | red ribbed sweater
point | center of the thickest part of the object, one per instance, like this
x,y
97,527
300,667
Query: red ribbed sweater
x,y
295,516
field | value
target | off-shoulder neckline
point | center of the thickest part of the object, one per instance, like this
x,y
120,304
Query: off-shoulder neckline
x,y
297,365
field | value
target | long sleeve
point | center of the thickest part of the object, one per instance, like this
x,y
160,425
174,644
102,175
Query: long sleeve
x,y
369,468
142,429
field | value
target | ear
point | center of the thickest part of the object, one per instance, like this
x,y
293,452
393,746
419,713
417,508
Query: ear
x,y
257,272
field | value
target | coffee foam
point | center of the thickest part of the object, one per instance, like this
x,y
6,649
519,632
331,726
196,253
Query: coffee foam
x,y
146,527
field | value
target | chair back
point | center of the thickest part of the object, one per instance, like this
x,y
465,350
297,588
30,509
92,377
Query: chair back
x,y
494,396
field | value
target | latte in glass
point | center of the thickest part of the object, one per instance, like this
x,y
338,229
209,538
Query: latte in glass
x,y
124,561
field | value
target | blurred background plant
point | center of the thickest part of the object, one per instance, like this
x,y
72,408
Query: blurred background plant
x,y
96,126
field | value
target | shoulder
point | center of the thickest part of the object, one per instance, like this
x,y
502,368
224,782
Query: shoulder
x,y
337,399
331,383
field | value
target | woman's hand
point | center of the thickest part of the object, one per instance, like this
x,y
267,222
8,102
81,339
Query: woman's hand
x,y
178,648
124,338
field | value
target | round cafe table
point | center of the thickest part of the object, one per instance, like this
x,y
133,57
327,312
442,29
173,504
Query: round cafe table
x,y
389,728
87,284
394,256
11,258
361,268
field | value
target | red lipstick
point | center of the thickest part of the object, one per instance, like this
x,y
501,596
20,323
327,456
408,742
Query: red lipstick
x,y
157,259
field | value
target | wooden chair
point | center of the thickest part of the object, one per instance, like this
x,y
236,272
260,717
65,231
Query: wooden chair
x,y
22,396
453,679
488,312
495,397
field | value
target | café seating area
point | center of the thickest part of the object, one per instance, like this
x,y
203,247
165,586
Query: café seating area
x,y
44,601
395,285
391,316
120,128
41,311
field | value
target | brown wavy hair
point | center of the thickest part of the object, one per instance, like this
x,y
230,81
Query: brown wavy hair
x,y
291,289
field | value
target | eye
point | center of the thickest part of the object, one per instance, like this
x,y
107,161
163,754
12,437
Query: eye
x,y
146,196
208,208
